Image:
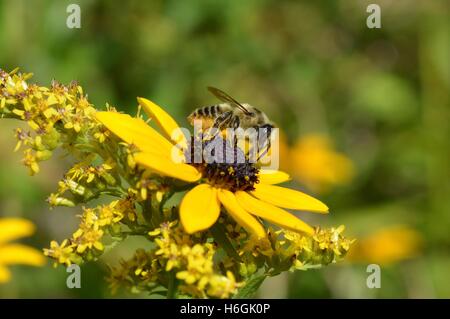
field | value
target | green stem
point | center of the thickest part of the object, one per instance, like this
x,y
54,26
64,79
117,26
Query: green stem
x,y
171,289
135,233
156,217
220,236
147,212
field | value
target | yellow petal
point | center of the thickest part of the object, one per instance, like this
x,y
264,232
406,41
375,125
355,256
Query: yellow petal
x,y
199,208
239,214
20,254
273,177
166,122
288,198
135,131
5,274
272,213
167,167
13,228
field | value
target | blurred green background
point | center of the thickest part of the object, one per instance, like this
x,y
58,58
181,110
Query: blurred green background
x,y
381,96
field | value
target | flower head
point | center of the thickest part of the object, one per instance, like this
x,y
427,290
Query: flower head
x,y
246,192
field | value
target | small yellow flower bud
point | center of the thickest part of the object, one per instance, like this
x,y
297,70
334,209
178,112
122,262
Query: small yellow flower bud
x,y
43,155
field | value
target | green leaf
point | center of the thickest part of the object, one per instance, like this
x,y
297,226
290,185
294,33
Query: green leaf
x,y
249,290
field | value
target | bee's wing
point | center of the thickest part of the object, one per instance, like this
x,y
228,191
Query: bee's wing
x,y
221,95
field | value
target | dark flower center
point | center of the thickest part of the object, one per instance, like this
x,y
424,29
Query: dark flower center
x,y
222,164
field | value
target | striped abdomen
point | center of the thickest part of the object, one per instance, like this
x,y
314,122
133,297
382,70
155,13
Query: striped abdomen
x,y
207,112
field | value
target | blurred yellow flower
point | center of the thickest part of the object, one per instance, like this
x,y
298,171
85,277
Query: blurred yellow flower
x,y
387,246
10,254
242,189
314,162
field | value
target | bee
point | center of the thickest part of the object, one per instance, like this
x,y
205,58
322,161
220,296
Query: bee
x,y
233,114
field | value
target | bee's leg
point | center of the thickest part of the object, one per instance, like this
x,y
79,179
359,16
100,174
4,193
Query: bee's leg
x,y
253,141
235,122
264,140
220,123
223,120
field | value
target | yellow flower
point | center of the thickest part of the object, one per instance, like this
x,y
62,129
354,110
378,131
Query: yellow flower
x,y
10,254
223,287
387,246
315,163
30,160
64,253
243,190
87,237
200,266
110,214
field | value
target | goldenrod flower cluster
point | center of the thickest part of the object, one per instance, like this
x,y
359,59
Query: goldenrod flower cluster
x,y
57,116
216,241
86,242
200,268
183,262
